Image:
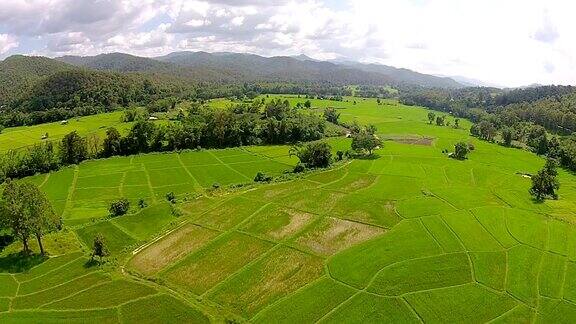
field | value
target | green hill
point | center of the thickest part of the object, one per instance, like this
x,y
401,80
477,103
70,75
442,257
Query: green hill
x,y
19,73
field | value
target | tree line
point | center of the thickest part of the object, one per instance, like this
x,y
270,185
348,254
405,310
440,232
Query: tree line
x,y
541,118
197,126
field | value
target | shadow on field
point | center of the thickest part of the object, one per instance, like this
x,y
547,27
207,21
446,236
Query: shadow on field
x,y
372,156
91,263
20,262
5,240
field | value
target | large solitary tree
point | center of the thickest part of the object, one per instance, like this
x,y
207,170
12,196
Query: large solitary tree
x,y
365,141
26,211
461,150
544,183
99,247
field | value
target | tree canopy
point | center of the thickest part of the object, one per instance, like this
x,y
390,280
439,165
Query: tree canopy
x,y
26,211
545,182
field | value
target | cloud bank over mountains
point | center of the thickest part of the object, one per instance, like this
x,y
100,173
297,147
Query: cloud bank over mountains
x,y
506,42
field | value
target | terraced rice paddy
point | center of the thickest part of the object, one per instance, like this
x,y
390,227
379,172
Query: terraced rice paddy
x,y
408,236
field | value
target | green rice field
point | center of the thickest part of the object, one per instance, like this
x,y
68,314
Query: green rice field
x,y
407,236
20,137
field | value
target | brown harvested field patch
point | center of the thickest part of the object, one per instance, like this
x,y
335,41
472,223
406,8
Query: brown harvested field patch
x,y
332,235
316,201
366,209
278,222
413,140
171,248
206,268
275,276
297,221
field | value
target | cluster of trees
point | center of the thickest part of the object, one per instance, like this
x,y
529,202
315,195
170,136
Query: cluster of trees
x,y
552,107
312,155
69,92
259,122
535,137
368,91
26,212
40,158
543,118
441,120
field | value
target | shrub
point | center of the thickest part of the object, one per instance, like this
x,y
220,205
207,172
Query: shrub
x,y
299,168
262,177
119,207
331,115
313,155
215,185
142,203
175,211
171,197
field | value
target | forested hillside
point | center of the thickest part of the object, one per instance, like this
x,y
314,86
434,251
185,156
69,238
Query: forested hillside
x,y
19,73
236,67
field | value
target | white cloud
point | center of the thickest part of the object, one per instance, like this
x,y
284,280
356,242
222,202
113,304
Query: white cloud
x,y
7,42
511,42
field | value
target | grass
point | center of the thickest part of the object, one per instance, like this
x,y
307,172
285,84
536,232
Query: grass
x,y
422,274
147,221
523,267
210,266
406,236
37,299
106,295
8,285
408,240
169,309
116,239
20,137
308,304
86,193
331,235
278,222
278,274
490,268
368,308
92,316
171,248
468,303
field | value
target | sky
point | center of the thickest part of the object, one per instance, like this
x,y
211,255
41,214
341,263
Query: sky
x,y
504,42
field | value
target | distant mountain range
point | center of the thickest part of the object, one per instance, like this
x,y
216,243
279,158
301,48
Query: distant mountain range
x,y
229,67
18,73
470,82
